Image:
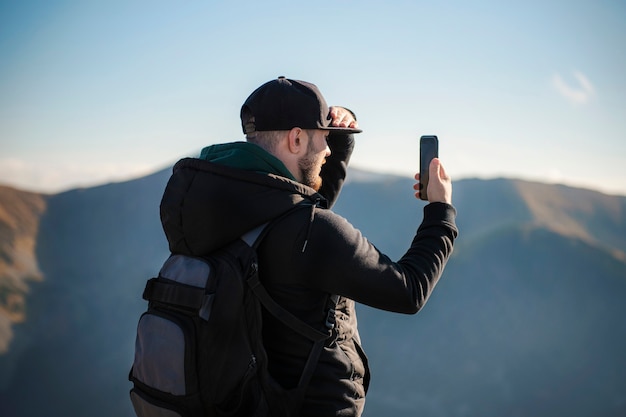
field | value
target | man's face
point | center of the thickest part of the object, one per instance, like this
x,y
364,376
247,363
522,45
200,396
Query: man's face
x,y
310,164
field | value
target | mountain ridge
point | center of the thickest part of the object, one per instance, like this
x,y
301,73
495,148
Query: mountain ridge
x,y
530,297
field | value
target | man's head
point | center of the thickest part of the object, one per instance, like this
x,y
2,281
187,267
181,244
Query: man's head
x,y
283,104
291,120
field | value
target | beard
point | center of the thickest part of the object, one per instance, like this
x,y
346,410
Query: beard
x,y
309,170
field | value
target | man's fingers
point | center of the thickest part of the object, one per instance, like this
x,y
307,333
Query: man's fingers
x,y
343,120
341,117
335,116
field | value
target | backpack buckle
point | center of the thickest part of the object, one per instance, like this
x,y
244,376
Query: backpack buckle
x,y
205,310
331,320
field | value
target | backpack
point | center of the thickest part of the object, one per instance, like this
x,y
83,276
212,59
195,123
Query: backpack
x,y
199,348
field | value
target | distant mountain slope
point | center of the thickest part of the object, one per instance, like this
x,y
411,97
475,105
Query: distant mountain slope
x,y
96,247
593,217
19,223
527,320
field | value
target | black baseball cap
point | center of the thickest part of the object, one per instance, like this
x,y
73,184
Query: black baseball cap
x,y
283,104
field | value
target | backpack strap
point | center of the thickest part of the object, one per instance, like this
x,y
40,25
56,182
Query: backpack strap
x,y
318,346
171,292
319,338
253,239
254,235
282,314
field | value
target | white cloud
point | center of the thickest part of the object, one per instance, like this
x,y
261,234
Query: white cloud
x,y
555,175
577,94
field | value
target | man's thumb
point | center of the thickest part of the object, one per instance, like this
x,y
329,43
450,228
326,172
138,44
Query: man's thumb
x,y
434,168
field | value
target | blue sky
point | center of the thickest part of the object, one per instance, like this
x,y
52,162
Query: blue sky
x,y
98,91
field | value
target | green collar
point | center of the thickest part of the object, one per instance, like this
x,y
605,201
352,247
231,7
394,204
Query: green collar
x,y
247,156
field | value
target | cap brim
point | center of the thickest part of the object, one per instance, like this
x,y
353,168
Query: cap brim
x,y
347,130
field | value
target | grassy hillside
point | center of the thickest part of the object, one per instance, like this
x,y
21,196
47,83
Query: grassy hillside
x,y
96,248
19,224
596,218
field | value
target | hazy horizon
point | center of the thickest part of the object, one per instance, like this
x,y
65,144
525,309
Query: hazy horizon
x,y
97,92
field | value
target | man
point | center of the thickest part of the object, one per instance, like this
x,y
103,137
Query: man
x,y
297,150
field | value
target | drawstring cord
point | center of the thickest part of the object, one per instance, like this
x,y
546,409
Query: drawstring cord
x,y
308,232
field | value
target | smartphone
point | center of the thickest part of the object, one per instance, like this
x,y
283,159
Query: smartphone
x,y
429,149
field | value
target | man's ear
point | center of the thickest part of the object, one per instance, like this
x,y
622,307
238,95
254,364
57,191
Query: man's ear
x,y
296,140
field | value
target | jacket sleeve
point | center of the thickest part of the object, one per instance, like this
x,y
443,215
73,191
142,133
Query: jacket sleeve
x,y
339,260
335,169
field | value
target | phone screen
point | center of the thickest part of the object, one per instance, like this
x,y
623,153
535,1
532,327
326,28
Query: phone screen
x,y
429,149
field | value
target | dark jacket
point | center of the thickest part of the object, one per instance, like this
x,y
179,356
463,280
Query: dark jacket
x,y
310,253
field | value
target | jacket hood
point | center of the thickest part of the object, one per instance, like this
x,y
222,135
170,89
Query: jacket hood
x,y
211,202
245,155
